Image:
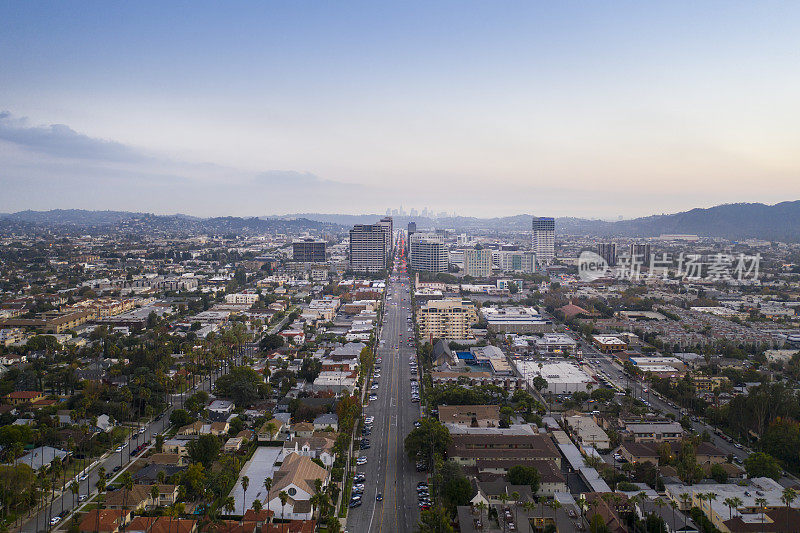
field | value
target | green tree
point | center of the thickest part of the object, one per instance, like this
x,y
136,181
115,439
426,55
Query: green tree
x,y
434,520
761,464
430,436
718,473
204,450
242,385
455,487
524,475
271,342
193,481
180,418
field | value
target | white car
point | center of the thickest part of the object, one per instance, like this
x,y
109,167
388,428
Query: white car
x,y
55,520
375,387
120,448
361,460
373,397
369,420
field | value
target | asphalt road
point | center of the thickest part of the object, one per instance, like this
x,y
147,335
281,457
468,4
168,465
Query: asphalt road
x,y
388,470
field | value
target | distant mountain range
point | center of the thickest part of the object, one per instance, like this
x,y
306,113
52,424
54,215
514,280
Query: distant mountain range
x,y
95,222
779,222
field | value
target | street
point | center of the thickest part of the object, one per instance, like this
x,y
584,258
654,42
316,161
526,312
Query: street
x,y
388,470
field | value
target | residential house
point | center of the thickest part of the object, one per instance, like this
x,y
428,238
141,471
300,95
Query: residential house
x,y
20,397
270,430
470,415
328,420
104,521
161,524
303,429
314,447
233,444
644,431
296,476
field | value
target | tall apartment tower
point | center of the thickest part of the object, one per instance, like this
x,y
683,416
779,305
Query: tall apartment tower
x,y
544,239
608,251
412,229
427,253
370,246
388,226
478,262
309,251
641,252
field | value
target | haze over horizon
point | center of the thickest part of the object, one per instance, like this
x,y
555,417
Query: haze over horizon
x,y
581,110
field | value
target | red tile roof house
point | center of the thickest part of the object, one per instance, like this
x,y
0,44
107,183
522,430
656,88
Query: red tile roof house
x,y
23,396
104,521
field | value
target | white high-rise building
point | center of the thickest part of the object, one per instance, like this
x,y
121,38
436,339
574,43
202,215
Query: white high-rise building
x,y
544,239
427,253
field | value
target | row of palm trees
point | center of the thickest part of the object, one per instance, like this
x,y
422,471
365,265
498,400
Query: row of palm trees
x,y
528,505
788,497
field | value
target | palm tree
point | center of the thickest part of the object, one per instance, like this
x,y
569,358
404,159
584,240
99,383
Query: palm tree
x,y
555,505
245,484
789,495
673,505
481,506
74,488
154,495
516,497
284,497
314,501
257,506
685,497
730,504
762,506
230,504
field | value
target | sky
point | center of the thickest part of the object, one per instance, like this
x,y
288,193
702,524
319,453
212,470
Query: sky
x,y
587,109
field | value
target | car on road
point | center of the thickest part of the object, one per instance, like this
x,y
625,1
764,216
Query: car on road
x,y
417,423
369,420
379,497
361,460
355,503
84,477
120,448
373,397
82,498
55,520
375,387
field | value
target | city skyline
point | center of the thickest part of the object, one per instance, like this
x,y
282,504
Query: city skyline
x,y
568,110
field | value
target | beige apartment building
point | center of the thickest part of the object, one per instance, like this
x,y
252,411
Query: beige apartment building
x,y
450,318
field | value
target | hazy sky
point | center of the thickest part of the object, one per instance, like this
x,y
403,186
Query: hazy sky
x,y
592,109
